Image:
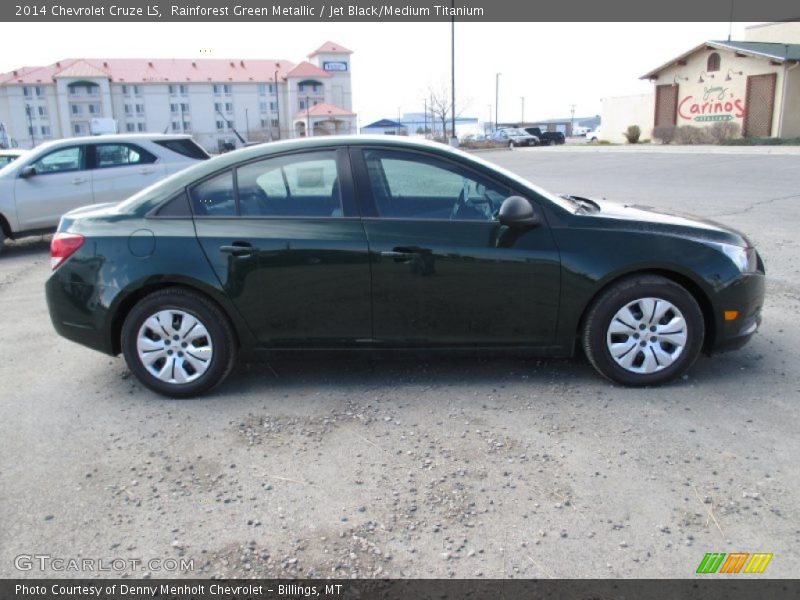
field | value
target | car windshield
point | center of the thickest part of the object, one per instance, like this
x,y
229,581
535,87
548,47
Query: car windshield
x,y
516,132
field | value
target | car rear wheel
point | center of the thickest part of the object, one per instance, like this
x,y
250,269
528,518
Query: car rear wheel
x,y
644,330
2,239
178,343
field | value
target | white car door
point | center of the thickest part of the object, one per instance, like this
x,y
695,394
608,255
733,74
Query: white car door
x,y
121,169
59,182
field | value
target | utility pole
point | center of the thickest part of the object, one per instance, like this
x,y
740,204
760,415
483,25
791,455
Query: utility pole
x,y
247,123
490,118
277,106
453,138
425,116
571,118
496,98
30,123
308,118
522,115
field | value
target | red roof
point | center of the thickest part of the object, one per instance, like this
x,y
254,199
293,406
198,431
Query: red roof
x,y
330,48
306,69
325,110
155,70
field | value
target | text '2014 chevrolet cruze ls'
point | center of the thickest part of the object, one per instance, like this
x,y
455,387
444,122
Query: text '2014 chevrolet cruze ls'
x,y
351,242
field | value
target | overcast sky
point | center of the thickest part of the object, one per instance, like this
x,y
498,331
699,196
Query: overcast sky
x,y
553,65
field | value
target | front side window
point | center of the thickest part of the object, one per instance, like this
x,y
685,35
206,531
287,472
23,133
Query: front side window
x,y
408,185
60,161
121,155
299,185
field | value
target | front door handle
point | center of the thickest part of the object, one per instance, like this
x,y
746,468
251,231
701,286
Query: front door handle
x,y
79,180
239,249
145,170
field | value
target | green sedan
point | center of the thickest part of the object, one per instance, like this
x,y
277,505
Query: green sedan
x,y
351,243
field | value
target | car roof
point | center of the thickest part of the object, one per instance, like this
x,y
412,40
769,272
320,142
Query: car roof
x,y
112,137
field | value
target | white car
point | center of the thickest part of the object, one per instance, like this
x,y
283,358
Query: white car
x,y
9,156
594,136
579,131
56,177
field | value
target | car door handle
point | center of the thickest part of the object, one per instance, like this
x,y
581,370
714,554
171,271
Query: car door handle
x,y
145,170
79,180
400,255
239,249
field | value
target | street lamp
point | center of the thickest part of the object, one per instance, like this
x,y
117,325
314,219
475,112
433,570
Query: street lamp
x,y
277,106
496,97
453,138
522,115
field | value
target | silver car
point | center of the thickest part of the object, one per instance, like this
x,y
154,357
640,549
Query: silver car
x,y
56,177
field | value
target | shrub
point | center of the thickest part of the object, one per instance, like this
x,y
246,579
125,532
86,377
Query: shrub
x,y
723,131
689,134
632,134
664,133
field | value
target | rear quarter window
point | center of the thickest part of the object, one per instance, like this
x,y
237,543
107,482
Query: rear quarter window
x,y
184,147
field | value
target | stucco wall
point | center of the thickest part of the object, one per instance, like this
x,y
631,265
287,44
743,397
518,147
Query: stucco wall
x,y
722,94
791,116
621,111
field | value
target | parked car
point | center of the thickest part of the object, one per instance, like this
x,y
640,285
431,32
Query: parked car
x,y
580,131
375,242
594,135
9,156
514,137
58,176
546,138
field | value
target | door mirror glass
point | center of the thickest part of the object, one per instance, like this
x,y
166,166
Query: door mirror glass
x,y
516,211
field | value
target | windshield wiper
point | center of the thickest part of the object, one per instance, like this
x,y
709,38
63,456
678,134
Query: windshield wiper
x,y
583,203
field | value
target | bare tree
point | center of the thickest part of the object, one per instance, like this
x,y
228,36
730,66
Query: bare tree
x,y
441,107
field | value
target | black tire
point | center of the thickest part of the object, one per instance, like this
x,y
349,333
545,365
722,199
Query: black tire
x,y
216,323
596,335
2,240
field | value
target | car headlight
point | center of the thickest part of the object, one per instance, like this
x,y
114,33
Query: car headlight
x,y
745,259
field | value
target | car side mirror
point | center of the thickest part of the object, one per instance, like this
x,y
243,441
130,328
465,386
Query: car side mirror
x,y
516,211
28,171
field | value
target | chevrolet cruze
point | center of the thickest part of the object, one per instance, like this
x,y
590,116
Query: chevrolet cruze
x,y
352,243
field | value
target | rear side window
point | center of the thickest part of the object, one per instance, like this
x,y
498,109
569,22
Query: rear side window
x,y
297,185
121,155
214,197
184,147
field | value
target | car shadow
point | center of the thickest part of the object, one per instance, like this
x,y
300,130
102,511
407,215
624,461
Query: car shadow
x,y
26,246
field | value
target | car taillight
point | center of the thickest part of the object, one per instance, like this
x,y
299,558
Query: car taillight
x,y
63,246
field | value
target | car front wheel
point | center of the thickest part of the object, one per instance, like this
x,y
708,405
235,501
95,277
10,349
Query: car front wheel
x,y
178,343
644,330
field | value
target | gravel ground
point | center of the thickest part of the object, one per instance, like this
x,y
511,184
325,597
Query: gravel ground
x,y
396,467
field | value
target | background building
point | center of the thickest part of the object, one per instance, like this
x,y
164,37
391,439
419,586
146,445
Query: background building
x,y
212,99
754,83
419,123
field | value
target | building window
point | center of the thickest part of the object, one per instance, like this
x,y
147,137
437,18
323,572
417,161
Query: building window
x,y
272,106
124,90
229,107
43,112
713,62
128,109
137,90
27,91
130,127
262,106
45,130
302,104
30,131
77,109
222,89
140,109
94,109
173,89
173,108
220,125
77,128
140,127
274,122
73,91
93,90
176,126
39,91
217,107
265,88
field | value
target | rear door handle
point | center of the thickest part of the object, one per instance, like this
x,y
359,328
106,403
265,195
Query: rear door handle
x,y
239,249
79,180
400,255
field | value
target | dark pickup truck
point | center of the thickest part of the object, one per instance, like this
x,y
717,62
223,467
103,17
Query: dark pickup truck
x,y
546,138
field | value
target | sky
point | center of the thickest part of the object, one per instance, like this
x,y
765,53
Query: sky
x,y
394,65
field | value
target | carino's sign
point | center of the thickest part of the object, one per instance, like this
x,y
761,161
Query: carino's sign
x,y
716,104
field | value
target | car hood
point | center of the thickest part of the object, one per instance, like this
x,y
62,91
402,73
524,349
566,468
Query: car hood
x,y
647,218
